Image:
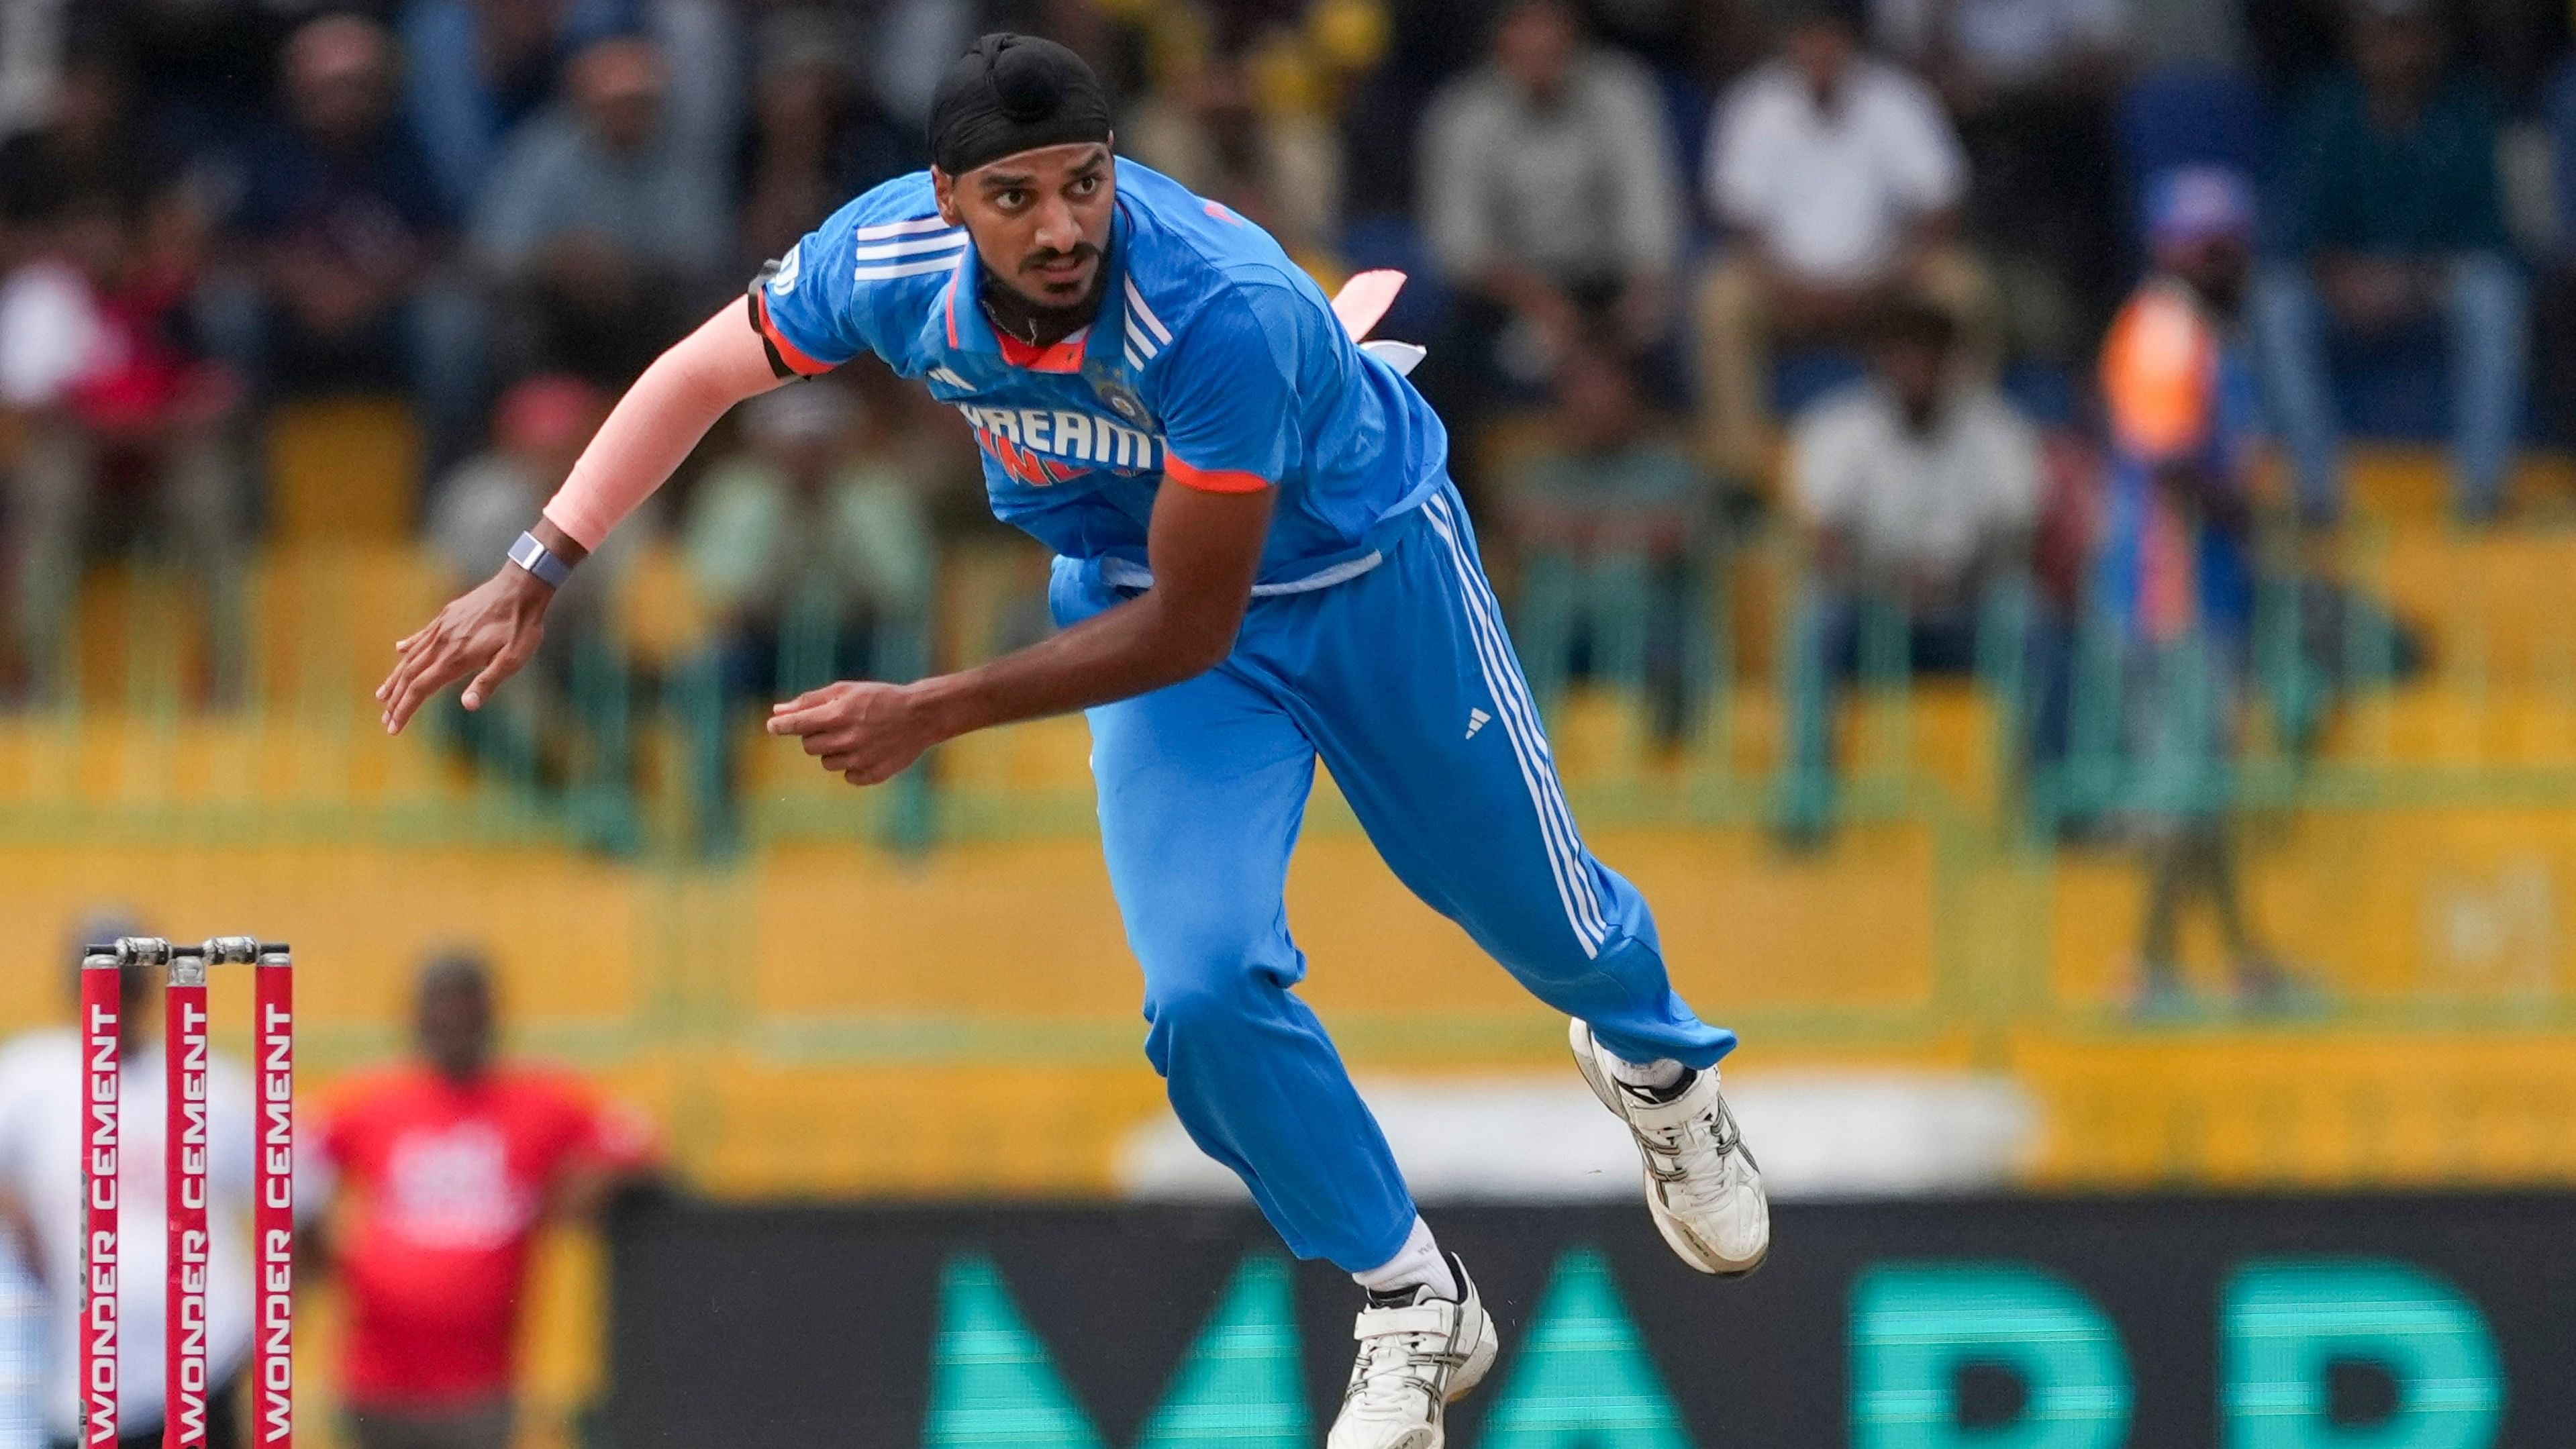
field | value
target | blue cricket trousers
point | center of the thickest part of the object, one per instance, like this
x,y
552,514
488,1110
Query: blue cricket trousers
x,y
1202,789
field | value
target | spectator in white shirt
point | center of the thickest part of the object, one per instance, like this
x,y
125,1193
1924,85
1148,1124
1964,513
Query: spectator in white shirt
x,y
2031,83
1836,178
1916,492
1552,197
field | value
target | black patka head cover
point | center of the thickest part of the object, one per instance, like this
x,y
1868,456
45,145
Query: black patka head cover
x,y
1014,93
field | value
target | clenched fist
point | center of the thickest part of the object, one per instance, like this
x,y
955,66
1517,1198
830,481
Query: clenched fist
x,y
864,732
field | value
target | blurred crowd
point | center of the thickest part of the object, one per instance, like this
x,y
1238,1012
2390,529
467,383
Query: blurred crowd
x,y
1837,271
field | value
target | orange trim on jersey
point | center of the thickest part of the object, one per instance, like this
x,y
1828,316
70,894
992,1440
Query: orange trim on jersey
x,y
948,304
788,352
1212,480
1065,356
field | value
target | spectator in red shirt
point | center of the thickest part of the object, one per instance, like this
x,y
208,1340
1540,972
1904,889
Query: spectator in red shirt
x,y
453,1163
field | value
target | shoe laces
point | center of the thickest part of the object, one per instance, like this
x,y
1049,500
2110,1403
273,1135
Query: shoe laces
x,y
1690,1158
1402,1369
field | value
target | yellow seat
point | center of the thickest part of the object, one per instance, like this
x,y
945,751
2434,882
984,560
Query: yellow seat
x,y
343,469
2412,485
2499,608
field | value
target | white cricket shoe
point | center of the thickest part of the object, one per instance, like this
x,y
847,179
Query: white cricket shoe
x,y
1416,1359
1701,1181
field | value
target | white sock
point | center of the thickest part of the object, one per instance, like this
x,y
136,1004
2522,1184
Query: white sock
x,y
1417,1263
1652,1076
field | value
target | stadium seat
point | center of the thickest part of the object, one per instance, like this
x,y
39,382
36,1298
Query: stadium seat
x,y
343,469
2402,484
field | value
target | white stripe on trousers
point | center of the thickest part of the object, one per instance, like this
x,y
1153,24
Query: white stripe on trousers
x,y
1518,690
1556,825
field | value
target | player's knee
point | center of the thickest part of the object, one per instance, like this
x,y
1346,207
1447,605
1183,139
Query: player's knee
x,y
1204,1006
1213,997
1211,971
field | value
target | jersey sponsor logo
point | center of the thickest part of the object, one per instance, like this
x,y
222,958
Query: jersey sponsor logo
x,y
941,374
1042,446
452,1188
1477,719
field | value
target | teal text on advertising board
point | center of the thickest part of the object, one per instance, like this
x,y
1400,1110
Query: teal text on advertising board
x,y
2285,1322
1581,1375
1581,1378
1915,1326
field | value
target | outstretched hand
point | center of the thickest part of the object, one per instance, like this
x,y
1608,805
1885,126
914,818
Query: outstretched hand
x,y
490,633
864,732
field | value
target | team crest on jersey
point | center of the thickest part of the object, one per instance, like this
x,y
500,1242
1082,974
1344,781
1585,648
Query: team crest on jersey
x,y
1121,399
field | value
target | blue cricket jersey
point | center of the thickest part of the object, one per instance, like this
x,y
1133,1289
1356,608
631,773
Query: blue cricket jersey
x,y
1213,357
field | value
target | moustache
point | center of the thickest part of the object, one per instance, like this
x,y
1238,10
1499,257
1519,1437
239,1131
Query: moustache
x,y
1082,252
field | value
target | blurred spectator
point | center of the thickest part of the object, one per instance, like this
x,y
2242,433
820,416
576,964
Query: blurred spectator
x,y
2393,218
1986,47
705,104
2031,85
1550,199
608,236
2173,586
88,149
2512,44
2295,41
477,69
2201,33
344,275
811,556
912,47
1918,491
567,727
31,63
1837,178
453,1162
204,70
41,1087
114,401
1210,130
818,135
2556,313
1613,519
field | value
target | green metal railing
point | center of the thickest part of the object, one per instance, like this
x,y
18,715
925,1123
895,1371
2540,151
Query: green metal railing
x,y
598,749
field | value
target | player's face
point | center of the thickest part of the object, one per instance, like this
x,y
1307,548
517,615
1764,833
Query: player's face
x,y
1040,219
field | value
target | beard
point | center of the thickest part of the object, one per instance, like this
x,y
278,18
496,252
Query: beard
x,y
1041,323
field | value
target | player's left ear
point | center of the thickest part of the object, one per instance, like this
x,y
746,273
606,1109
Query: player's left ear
x,y
943,190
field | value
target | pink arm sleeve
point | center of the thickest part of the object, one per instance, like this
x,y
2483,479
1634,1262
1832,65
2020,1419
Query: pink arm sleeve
x,y
659,420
